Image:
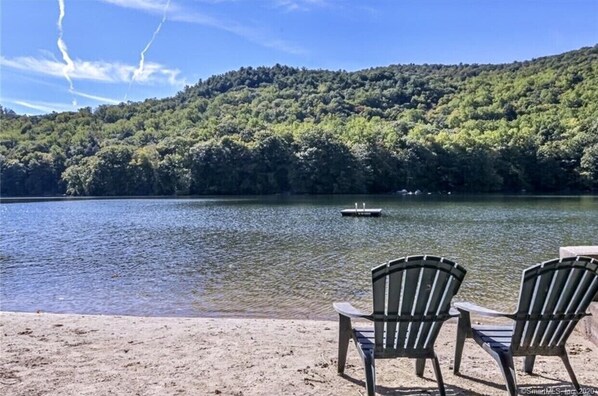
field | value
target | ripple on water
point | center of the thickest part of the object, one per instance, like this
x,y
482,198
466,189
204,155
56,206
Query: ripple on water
x,y
284,256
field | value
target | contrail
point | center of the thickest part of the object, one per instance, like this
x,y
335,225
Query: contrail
x,y
70,65
137,73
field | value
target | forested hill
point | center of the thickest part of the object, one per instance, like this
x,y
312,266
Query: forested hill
x,y
478,128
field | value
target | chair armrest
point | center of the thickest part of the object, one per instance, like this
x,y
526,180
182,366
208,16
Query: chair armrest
x,y
476,309
454,313
348,310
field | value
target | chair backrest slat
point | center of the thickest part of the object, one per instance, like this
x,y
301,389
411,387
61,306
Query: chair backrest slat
x,y
412,274
551,297
446,287
420,305
561,293
554,294
436,303
541,283
526,298
411,298
579,304
396,280
379,282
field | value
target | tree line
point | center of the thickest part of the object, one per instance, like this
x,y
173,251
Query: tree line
x,y
529,126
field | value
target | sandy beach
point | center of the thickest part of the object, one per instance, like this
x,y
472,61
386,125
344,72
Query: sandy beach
x,y
56,354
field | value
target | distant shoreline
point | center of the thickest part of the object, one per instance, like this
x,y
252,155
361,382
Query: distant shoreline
x,y
271,196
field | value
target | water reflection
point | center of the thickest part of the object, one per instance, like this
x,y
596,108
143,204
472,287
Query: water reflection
x,y
273,256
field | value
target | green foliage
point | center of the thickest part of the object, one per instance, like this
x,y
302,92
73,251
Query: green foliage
x,y
324,166
477,128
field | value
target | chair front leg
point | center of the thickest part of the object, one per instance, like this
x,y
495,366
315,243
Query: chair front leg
x,y
463,332
565,358
370,372
438,374
505,361
344,336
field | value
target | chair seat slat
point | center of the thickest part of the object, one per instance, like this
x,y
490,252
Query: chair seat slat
x,y
508,328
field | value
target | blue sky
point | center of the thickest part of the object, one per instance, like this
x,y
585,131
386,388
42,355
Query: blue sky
x,y
61,55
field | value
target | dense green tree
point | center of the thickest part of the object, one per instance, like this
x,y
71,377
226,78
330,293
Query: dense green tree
x,y
78,177
144,171
173,177
325,166
42,176
14,176
589,166
223,167
379,167
274,162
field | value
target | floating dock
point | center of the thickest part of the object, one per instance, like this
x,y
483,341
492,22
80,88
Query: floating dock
x,y
362,212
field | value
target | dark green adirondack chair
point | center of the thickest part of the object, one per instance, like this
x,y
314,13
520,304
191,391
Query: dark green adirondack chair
x,y
554,296
412,297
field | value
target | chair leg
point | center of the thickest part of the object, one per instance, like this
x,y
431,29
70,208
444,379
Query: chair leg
x,y
463,331
438,374
528,364
420,364
505,361
370,372
565,359
344,336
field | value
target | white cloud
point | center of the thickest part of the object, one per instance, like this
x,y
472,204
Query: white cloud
x,y
289,5
59,107
254,35
145,5
101,71
139,70
45,107
97,98
299,5
69,65
181,14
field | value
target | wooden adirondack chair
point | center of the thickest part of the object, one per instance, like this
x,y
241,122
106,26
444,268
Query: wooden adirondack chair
x,y
554,295
412,297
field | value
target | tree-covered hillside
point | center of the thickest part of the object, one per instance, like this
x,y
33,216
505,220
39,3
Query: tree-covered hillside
x,y
478,128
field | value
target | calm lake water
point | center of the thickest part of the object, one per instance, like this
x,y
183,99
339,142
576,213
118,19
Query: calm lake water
x,y
268,256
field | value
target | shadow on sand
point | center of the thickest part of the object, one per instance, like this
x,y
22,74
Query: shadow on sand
x,y
451,390
560,388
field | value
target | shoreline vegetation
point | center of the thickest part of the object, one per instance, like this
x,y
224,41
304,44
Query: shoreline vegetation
x,y
64,197
71,354
524,126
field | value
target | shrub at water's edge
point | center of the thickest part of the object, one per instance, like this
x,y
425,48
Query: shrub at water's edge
x,y
478,128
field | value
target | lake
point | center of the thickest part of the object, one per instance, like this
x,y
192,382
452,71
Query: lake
x,y
288,257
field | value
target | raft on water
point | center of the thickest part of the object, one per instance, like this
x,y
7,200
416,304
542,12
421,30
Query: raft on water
x,y
361,212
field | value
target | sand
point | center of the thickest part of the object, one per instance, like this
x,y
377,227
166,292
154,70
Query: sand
x,y
55,354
